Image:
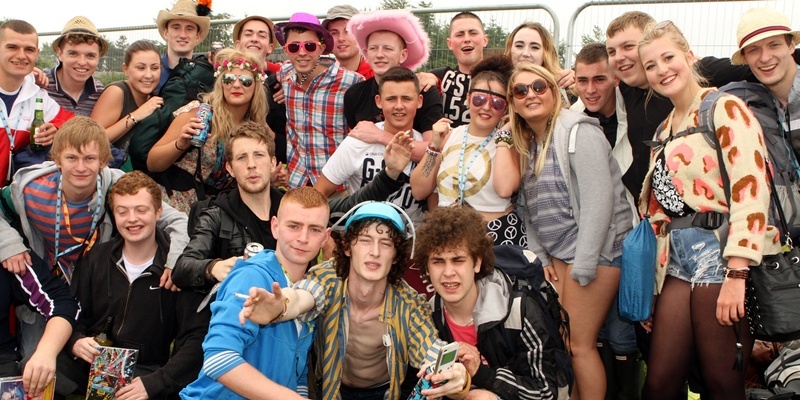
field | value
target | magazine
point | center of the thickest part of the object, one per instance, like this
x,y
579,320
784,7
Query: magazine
x,y
111,370
12,389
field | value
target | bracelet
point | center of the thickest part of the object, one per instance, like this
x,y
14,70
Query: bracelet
x,y
736,273
433,151
179,149
503,136
467,385
130,117
285,308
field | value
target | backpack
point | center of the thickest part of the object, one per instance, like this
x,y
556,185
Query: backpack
x,y
783,374
190,78
527,279
226,223
784,164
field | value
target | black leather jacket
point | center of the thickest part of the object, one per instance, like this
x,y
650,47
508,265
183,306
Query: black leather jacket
x,y
204,246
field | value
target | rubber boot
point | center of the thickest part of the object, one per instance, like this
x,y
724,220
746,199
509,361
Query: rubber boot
x,y
629,373
607,355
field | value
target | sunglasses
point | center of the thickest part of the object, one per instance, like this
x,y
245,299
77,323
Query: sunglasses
x,y
539,86
228,79
664,25
482,96
294,47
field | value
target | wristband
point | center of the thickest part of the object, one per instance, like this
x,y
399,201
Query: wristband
x,y
736,273
209,267
502,136
433,151
179,149
133,120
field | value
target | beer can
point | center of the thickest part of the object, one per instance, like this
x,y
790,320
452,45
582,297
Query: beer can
x,y
252,249
204,113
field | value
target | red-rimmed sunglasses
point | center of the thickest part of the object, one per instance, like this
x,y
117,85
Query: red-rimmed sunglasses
x,y
539,86
482,96
294,47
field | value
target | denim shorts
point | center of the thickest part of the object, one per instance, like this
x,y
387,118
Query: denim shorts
x,y
616,262
695,256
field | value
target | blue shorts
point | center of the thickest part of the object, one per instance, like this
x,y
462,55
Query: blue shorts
x,y
616,262
695,256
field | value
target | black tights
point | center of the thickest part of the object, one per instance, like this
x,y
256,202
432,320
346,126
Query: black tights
x,y
685,331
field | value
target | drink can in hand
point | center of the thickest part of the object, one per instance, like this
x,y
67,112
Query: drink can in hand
x,y
204,113
252,249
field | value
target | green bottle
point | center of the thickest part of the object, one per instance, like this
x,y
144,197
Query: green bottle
x,y
104,338
38,120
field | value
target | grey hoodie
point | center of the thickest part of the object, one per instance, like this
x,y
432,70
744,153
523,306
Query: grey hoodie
x,y
597,196
172,221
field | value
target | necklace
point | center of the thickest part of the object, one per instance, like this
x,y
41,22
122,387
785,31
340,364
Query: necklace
x,y
470,322
304,77
464,170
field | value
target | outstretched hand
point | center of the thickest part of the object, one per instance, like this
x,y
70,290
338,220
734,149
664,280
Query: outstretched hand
x,y
261,306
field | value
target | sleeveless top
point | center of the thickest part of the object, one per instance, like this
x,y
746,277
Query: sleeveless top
x,y
128,106
479,186
212,168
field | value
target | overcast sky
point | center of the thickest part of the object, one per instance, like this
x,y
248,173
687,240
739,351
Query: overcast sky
x,y
709,26
51,15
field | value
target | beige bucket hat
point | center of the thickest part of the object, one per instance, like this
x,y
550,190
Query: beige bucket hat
x,y
81,25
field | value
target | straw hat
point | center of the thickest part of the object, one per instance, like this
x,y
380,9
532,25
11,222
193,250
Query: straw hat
x,y
339,12
83,26
760,23
183,9
307,21
401,22
237,29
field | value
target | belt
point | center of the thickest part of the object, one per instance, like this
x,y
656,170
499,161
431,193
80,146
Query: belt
x,y
707,220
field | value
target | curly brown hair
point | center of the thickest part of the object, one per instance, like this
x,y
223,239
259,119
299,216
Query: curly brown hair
x,y
454,227
344,241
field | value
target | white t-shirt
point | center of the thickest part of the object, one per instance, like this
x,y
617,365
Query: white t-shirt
x,y
134,271
357,163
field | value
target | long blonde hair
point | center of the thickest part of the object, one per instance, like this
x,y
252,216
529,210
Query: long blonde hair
x,y
222,120
549,51
521,132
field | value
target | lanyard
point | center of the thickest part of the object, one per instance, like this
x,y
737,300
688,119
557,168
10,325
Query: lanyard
x,y
90,238
12,137
462,170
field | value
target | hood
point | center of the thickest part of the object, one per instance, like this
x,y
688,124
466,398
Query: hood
x,y
493,297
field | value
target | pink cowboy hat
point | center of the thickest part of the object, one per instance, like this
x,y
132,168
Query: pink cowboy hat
x,y
401,22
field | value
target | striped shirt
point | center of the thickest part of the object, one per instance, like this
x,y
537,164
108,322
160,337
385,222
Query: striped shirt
x,y
549,207
409,326
315,122
40,207
92,90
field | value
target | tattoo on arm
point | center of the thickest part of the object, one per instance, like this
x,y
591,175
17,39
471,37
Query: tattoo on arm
x,y
430,161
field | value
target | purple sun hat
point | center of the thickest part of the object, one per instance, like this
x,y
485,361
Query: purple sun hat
x,y
307,21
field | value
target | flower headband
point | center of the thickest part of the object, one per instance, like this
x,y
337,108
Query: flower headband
x,y
228,65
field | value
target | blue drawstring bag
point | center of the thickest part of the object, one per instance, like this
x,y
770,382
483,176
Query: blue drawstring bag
x,y
638,274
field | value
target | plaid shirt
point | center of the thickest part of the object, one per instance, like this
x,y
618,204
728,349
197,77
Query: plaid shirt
x,y
315,120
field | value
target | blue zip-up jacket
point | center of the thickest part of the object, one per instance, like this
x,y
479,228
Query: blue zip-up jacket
x,y
274,349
